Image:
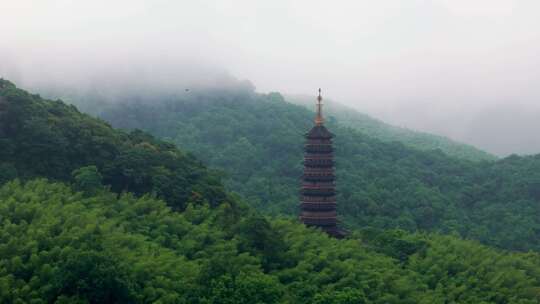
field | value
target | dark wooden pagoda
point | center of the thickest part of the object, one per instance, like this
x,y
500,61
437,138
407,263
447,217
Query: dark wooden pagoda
x,y
318,193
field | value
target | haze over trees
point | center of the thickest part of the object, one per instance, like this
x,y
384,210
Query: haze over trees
x,y
256,139
70,237
151,152
370,126
48,138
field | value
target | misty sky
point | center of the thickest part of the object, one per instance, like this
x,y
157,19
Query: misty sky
x,y
468,69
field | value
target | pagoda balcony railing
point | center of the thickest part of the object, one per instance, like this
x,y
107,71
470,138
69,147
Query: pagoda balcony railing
x,y
324,178
322,185
317,189
318,155
321,192
324,172
318,170
318,149
318,162
328,199
318,206
319,142
319,214
322,152
325,145
318,221
329,173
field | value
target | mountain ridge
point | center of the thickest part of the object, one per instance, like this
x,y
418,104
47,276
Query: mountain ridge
x,y
69,237
257,140
134,161
351,117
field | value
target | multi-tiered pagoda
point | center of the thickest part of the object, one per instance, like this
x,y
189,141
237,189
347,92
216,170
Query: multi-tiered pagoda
x,y
318,194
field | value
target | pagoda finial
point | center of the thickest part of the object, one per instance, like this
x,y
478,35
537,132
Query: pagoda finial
x,y
319,120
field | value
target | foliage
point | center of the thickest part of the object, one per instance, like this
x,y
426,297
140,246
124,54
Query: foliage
x,y
59,246
87,179
81,242
375,128
49,138
257,140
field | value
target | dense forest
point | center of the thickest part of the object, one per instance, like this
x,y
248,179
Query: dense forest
x,y
375,128
257,141
61,246
86,216
48,138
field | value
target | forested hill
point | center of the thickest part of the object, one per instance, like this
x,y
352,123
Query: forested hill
x,y
45,138
59,246
74,239
373,127
257,140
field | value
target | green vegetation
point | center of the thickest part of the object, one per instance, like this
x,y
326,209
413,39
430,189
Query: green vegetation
x,y
49,138
257,140
59,246
375,128
71,231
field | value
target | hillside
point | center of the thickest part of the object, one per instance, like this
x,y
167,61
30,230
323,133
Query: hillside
x,y
61,247
79,241
45,138
373,127
257,140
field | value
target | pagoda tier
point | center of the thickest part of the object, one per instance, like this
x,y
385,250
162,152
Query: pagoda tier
x,y
318,193
318,206
318,148
316,162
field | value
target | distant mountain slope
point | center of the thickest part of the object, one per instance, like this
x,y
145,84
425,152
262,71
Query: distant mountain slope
x,y
257,140
61,247
46,138
373,127
77,241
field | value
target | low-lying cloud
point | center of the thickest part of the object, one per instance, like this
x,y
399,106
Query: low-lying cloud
x,y
465,69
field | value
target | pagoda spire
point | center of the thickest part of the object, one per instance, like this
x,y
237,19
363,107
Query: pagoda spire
x,y
318,189
319,120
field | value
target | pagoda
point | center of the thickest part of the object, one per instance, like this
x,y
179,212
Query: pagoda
x,y
318,193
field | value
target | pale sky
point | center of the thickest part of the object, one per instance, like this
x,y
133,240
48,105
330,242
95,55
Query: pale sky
x,y
468,69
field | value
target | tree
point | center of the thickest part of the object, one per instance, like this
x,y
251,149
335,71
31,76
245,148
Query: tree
x,y
88,179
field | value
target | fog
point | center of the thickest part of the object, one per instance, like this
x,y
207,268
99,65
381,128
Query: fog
x,y
465,69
